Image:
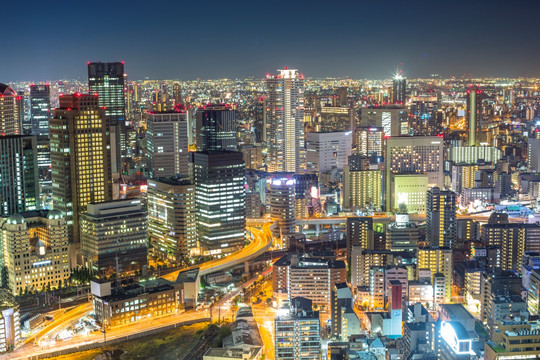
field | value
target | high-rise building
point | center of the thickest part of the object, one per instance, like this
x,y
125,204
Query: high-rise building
x,y
216,128
35,253
108,81
167,144
220,201
297,332
285,121
414,155
474,114
171,219
441,223
327,151
19,186
438,261
362,189
40,109
359,233
80,157
369,141
114,237
281,198
399,89
25,124
345,322
9,119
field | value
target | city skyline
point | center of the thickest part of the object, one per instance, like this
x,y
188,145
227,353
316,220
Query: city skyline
x,y
357,40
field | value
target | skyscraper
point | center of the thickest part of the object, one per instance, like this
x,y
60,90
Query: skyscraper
x,y
40,109
216,128
171,219
285,121
220,200
18,174
439,261
80,157
441,223
107,80
167,144
9,120
474,114
399,89
281,198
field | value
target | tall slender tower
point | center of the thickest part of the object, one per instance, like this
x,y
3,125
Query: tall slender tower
x,y
474,114
108,81
80,157
399,89
285,122
441,223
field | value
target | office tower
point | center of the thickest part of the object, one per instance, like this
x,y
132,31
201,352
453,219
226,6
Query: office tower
x,y
307,195
35,252
114,237
19,187
309,277
177,94
297,332
44,171
345,322
281,198
399,89
167,144
441,223
216,128
327,151
285,121
9,119
220,200
80,157
474,114
438,261
171,219
533,153
414,155
513,239
424,118
402,235
362,189
332,119
359,233
342,95
393,119
408,193
108,81
40,109
369,141
253,156
10,323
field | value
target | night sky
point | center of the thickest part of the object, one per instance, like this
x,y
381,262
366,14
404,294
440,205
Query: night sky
x,y
49,40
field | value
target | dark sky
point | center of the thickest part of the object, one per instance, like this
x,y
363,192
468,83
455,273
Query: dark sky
x,y
48,40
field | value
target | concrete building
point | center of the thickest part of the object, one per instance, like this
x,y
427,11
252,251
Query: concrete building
x,y
284,119
533,154
402,235
297,332
344,320
439,261
393,119
252,155
359,233
167,144
308,277
409,192
281,198
35,251
327,151
513,340
171,219
114,237
362,189
369,141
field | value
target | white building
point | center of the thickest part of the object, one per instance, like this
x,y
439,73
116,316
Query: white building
x,y
167,144
284,121
326,151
